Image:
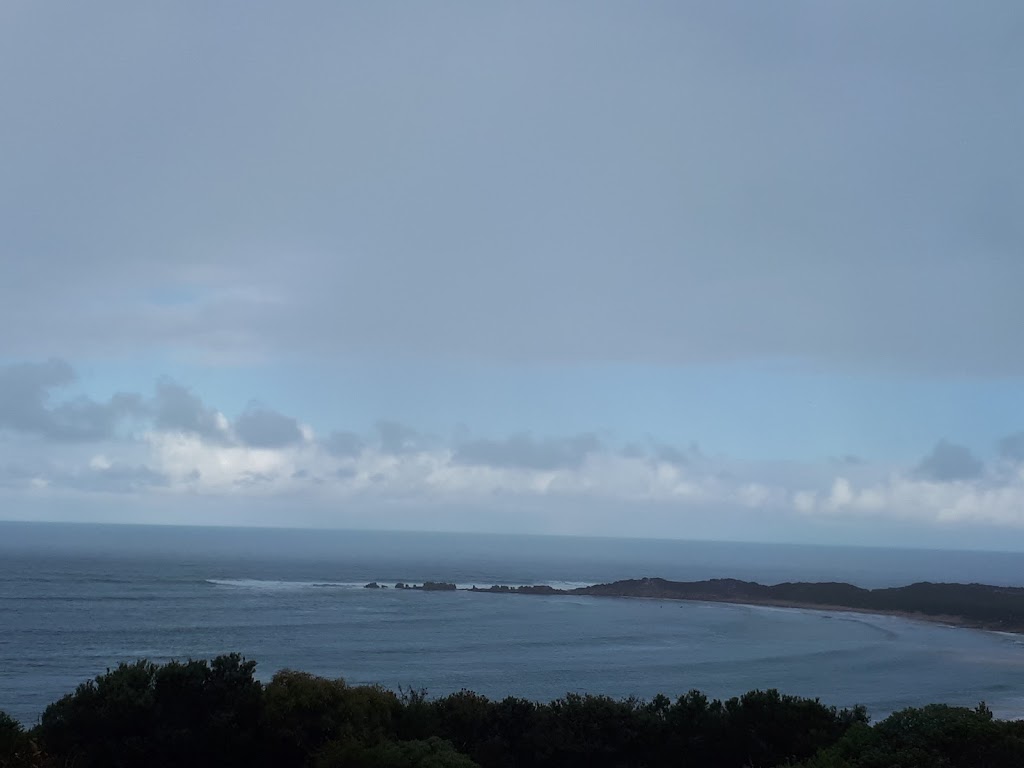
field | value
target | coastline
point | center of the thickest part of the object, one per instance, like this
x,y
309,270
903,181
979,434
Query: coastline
x,y
953,622
969,606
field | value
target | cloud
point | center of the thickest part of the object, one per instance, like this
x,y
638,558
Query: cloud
x,y
606,202
849,459
25,393
399,438
340,443
177,409
257,478
19,472
215,467
98,474
663,452
260,427
27,407
77,447
949,462
1012,447
525,452
112,478
919,500
673,455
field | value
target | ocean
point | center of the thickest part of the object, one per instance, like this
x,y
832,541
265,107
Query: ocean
x,y
77,599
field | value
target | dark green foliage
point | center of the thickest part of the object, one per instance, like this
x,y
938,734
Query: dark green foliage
x,y
17,749
431,753
106,721
307,712
595,730
935,736
11,734
303,713
760,728
182,713
768,728
199,713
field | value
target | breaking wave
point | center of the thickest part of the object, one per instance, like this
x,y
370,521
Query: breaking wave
x,y
269,585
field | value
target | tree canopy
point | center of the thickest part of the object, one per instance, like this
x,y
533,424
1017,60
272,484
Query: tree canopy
x,y
201,713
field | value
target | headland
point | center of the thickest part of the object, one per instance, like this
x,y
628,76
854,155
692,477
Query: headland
x,y
978,606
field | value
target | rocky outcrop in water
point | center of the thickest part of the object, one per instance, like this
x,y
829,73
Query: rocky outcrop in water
x,y
428,586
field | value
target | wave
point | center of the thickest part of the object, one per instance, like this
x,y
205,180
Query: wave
x,y
272,585
276,585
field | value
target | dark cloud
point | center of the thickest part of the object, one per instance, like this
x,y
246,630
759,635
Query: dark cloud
x,y
250,479
344,444
25,404
177,409
399,438
848,460
634,451
695,198
117,478
1012,446
949,461
263,428
664,452
670,454
523,451
19,472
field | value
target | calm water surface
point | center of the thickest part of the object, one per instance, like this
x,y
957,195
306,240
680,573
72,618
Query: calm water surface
x,y
76,599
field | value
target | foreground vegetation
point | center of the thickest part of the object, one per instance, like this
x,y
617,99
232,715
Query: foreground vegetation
x,y
199,713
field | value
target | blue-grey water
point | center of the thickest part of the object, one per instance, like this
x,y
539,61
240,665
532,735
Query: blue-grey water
x,y
76,599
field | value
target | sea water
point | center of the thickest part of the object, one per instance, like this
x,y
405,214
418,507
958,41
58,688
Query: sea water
x,y
77,599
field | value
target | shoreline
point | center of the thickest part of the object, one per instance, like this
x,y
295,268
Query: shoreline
x,y
953,622
969,606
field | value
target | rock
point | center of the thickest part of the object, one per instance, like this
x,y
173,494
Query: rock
x,y
438,586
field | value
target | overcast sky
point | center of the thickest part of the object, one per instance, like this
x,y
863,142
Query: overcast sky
x,y
732,270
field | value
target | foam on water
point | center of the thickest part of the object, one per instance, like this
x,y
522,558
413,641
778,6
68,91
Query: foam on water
x,y
275,585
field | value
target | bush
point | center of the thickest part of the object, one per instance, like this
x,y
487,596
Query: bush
x,y
141,714
198,713
16,748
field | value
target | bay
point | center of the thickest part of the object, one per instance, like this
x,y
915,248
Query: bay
x,y
77,599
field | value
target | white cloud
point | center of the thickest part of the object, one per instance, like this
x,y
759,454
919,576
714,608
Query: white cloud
x,y
907,497
754,495
171,461
176,477
189,447
804,501
195,463
99,461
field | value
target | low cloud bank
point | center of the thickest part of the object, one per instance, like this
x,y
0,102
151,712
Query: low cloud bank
x,y
171,443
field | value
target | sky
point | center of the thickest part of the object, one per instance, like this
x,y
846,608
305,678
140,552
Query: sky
x,y
731,270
